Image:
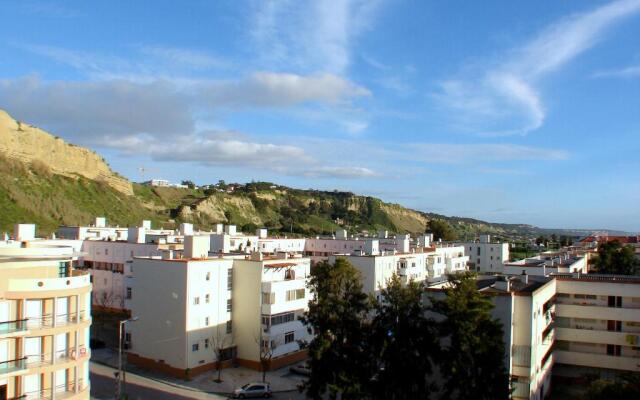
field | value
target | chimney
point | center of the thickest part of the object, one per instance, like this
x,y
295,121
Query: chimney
x,y
524,277
186,229
256,256
23,232
230,229
146,224
100,222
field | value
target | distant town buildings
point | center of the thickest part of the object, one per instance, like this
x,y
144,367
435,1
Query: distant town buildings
x,y
220,297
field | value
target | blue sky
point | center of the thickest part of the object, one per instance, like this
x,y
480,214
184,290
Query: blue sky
x,y
500,110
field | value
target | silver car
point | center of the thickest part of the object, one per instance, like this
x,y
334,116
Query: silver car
x,y
252,390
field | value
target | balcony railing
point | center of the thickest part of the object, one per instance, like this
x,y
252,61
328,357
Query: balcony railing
x,y
13,326
61,392
7,367
46,320
59,356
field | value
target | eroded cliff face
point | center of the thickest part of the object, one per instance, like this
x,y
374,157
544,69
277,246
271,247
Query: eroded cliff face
x,y
28,144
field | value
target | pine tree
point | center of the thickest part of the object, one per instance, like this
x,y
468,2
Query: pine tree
x,y
472,362
403,341
340,361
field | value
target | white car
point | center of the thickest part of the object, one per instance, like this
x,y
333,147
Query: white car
x,y
253,390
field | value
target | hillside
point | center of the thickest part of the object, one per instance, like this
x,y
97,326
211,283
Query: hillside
x,y
31,145
50,182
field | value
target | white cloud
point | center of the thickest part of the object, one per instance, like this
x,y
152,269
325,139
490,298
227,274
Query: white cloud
x,y
445,153
628,72
87,111
502,99
270,89
189,58
310,36
340,172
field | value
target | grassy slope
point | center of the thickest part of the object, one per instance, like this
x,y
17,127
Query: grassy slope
x,y
33,194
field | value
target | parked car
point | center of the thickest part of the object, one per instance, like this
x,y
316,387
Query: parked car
x,y
301,369
252,390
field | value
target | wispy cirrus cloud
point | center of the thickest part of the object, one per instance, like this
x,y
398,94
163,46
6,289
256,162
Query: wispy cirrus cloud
x,y
479,153
502,97
310,36
627,72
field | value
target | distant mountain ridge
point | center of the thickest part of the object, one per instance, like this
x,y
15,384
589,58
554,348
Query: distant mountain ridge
x,y
50,182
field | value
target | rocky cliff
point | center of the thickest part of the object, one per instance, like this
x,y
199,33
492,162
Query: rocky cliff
x,y
29,144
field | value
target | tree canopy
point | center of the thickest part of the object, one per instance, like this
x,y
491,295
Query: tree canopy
x,y
615,258
339,357
390,347
474,355
441,230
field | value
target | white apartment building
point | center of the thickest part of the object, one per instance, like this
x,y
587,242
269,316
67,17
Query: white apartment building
x,y
597,325
270,294
189,306
45,316
567,325
99,230
547,263
428,264
485,256
185,310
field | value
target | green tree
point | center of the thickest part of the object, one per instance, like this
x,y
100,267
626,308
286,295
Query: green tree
x,y
472,362
188,184
626,387
402,337
441,229
339,357
615,258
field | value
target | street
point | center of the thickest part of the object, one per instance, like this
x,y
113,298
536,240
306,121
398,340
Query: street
x,y
103,387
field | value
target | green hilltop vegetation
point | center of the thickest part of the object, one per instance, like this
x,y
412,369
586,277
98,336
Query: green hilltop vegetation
x,y
32,193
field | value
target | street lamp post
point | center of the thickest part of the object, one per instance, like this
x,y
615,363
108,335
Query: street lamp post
x,y
121,378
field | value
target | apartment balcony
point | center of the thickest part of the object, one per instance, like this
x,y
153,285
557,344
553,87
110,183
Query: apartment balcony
x,y
596,360
67,391
596,336
57,359
12,366
598,312
13,328
63,322
48,287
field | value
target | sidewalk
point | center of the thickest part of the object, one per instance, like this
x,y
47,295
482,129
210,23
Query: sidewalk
x,y
280,380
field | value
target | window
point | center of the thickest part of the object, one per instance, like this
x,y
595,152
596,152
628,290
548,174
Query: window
x,y
207,298
195,347
206,343
229,306
478,250
268,298
282,318
230,279
131,253
196,301
229,326
289,337
106,252
208,276
289,274
206,321
128,293
295,294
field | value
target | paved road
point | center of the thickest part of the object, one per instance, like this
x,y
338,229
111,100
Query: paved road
x,y
139,388
103,387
